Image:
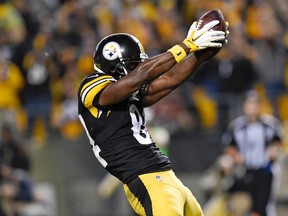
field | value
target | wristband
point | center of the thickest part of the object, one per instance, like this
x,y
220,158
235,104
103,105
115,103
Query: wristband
x,y
193,47
178,52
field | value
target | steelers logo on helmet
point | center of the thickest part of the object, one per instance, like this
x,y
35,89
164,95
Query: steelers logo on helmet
x,y
111,51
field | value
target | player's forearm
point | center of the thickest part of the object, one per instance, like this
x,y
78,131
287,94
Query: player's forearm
x,y
158,65
182,71
169,81
146,72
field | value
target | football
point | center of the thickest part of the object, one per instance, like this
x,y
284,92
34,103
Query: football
x,y
214,14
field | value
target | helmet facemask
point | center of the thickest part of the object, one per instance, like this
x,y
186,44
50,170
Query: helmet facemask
x,y
125,66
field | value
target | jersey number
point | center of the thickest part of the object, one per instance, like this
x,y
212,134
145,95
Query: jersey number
x,y
138,126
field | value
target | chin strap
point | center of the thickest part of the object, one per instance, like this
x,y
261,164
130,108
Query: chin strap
x,y
122,64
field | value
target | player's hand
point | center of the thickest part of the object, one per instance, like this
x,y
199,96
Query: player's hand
x,y
204,37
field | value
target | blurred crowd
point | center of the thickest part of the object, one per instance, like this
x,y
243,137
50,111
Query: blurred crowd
x,y
46,49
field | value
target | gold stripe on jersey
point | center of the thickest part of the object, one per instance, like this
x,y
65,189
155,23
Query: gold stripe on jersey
x,y
91,89
94,111
90,95
93,81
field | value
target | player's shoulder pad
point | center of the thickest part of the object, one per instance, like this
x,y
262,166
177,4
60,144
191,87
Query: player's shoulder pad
x,y
93,76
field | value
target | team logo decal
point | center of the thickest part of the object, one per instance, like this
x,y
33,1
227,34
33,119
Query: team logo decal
x,y
110,51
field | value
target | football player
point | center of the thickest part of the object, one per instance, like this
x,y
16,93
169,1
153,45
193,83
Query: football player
x,y
111,102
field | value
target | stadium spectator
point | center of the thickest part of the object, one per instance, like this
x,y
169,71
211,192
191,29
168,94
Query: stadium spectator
x,y
11,24
11,84
37,97
269,43
66,117
12,152
16,188
15,181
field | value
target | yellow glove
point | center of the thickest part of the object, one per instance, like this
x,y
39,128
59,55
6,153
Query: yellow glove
x,y
199,39
204,37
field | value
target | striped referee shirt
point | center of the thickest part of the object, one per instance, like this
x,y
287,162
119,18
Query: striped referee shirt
x,y
252,138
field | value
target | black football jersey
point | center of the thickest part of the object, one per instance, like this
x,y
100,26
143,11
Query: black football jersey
x,y
117,133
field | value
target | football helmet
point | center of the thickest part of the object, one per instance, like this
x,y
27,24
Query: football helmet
x,y
118,54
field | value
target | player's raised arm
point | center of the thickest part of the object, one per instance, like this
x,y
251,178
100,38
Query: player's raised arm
x,y
132,69
176,75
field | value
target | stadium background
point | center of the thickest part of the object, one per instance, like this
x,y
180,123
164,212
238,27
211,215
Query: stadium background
x,y
60,36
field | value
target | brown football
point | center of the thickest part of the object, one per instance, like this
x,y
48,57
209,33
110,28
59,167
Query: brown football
x,y
215,14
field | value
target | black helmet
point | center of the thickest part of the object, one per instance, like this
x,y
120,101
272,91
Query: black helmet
x,y
118,54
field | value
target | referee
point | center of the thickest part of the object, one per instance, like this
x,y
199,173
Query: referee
x,y
253,141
